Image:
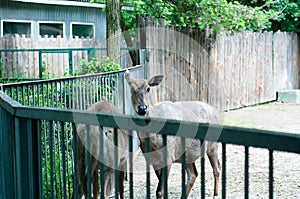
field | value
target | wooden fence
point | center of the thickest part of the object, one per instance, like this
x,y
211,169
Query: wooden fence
x,y
226,70
25,64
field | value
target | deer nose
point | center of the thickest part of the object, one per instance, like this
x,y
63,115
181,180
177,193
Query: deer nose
x,y
142,109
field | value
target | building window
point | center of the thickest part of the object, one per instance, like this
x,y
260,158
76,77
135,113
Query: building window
x,y
16,27
82,30
51,29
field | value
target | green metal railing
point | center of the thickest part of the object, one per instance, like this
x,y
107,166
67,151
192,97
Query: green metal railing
x,y
68,93
64,93
37,159
32,64
26,123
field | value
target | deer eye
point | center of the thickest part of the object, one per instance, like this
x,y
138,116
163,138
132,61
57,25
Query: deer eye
x,y
148,90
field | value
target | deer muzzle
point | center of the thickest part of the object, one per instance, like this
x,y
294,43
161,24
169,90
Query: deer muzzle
x,y
142,110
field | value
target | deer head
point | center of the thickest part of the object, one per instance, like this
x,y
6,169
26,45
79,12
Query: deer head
x,y
139,89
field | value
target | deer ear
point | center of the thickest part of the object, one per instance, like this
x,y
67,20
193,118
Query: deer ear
x,y
155,80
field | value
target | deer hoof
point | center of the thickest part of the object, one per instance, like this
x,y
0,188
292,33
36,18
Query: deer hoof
x,y
159,195
216,197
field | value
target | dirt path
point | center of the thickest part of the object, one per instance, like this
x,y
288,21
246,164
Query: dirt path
x,y
274,116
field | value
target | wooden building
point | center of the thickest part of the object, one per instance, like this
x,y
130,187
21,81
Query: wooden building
x,y
67,18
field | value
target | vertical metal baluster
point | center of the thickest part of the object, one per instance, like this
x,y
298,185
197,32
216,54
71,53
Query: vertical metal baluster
x,y
46,155
47,94
223,170
56,94
11,92
66,87
81,94
52,93
91,91
70,94
85,94
94,91
17,94
55,144
116,86
102,87
98,88
130,143
109,88
23,100
246,172
75,182
202,169
38,94
59,156
87,102
33,94
183,168
147,155
67,136
62,85
271,174
63,151
77,93
60,93
106,87
85,98
28,95
40,162
116,166
50,128
165,167
42,96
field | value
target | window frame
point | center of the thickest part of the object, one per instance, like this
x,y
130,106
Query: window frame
x,y
52,22
17,21
81,23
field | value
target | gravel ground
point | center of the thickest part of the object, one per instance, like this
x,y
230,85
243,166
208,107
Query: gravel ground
x,y
273,116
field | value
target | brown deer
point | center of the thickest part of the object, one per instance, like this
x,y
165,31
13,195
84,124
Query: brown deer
x,y
194,111
108,148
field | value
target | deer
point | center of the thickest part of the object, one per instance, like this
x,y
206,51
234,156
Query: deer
x,y
107,159
194,111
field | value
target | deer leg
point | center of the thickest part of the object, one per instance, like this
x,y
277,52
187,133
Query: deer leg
x,y
212,153
121,184
122,173
95,182
80,194
161,184
95,179
192,175
82,188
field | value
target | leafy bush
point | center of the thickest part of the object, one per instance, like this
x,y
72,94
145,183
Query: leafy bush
x,y
96,65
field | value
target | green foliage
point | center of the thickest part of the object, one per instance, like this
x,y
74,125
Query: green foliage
x,y
289,19
288,12
216,14
230,15
56,152
96,65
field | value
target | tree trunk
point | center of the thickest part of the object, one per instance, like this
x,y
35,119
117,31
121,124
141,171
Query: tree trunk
x,y
134,54
113,30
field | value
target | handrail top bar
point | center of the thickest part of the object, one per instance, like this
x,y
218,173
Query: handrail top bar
x,y
67,78
274,140
58,50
